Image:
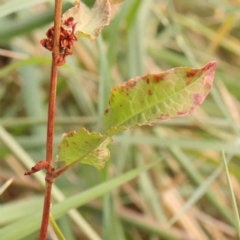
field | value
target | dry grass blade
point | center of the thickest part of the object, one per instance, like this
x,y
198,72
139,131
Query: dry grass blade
x,y
5,185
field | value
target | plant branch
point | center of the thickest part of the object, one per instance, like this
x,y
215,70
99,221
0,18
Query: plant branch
x,y
51,117
53,86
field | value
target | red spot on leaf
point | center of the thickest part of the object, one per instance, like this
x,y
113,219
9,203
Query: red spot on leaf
x,y
111,99
188,82
197,99
121,90
86,142
70,134
163,116
182,113
106,110
150,92
191,73
147,80
131,83
159,77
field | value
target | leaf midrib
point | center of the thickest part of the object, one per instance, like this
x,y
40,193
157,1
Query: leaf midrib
x,y
188,86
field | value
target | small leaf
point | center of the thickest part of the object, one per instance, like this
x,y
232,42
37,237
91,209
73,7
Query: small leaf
x,y
87,148
90,22
152,98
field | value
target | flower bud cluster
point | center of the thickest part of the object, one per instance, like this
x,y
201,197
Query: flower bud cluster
x,y
67,39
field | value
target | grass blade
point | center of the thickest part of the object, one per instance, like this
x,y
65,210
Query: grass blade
x,y
28,225
236,212
56,229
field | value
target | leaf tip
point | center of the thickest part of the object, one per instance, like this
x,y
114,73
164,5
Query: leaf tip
x,y
212,65
210,68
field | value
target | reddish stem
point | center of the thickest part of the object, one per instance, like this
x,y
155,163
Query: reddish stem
x,y
51,116
46,211
51,112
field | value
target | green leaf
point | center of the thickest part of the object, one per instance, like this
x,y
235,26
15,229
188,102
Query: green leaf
x,y
90,22
85,147
152,98
99,156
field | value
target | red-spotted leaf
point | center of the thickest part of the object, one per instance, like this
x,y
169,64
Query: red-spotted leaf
x,y
86,147
152,98
90,22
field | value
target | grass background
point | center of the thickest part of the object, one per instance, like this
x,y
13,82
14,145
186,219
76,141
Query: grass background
x,y
186,194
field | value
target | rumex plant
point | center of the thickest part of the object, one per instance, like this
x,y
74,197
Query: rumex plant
x,y
143,100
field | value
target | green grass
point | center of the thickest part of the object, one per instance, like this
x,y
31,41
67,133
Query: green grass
x,y
186,194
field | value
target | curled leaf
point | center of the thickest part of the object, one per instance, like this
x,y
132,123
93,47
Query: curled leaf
x,y
90,22
152,98
86,147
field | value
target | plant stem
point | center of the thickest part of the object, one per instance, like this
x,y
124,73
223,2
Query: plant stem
x,y
51,116
46,211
